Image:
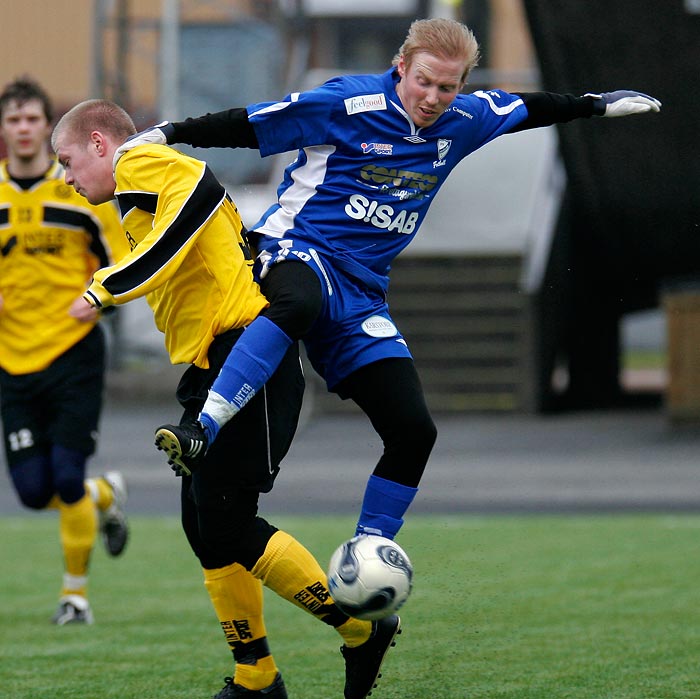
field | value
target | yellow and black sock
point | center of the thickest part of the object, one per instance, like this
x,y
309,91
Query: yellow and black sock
x,y
98,489
291,571
78,530
101,492
238,601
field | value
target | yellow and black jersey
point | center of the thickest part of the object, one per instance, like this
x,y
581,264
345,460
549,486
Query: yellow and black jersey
x,y
51,242
188,253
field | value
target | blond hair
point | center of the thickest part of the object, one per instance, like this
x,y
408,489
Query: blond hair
x,y
95,115
444,38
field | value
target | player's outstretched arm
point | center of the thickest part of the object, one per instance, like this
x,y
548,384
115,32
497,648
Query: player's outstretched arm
x,y
623,103
227,129
153,135
547,108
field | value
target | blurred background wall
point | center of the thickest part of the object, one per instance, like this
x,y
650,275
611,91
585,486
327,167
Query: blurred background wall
x,y
526,287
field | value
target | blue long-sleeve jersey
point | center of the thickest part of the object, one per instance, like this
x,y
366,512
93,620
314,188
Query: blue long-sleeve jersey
x,y
365,175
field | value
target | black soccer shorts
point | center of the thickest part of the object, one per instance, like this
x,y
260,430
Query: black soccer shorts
x,y
59,405
249,448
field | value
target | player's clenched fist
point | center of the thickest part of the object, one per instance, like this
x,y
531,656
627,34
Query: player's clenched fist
x,y
83,311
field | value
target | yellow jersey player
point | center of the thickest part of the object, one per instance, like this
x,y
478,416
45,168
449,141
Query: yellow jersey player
x,y
190,259
52,365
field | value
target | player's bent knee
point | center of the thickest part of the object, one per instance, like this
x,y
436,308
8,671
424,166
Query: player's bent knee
x,y
70,490
407,447
294,292
416,430
34,498
428,432
241,541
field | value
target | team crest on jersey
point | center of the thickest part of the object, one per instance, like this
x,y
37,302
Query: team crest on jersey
x,y
365,103
443,146
63,191
378,148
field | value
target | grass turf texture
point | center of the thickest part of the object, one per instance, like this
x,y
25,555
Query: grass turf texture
x,y
536,607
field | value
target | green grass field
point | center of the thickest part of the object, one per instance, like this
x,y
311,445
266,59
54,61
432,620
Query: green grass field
x,y
536,607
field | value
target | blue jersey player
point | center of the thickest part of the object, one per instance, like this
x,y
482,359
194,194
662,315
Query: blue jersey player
x,y
373,151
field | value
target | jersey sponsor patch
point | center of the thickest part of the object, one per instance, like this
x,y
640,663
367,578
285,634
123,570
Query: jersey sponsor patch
x,y
462,112
365,103
398,177
378,326
378,148
381,215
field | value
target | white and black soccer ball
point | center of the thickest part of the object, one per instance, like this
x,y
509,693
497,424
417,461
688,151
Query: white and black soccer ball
x,y
369,577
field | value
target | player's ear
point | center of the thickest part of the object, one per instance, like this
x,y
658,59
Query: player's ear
x,y
98,142
401,66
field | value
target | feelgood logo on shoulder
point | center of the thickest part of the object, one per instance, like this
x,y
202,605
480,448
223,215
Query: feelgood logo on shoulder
x,y
365,103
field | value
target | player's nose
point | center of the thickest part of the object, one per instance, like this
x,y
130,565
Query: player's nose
x,y
431,95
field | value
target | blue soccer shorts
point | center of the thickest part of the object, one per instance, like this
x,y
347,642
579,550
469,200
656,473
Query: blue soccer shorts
x,y
354,327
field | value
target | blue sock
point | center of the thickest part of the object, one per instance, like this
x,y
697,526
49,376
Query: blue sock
x,y
384,504
250,363
210,425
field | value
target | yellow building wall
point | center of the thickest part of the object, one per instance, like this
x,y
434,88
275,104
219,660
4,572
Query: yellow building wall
x,y
49,40
53,41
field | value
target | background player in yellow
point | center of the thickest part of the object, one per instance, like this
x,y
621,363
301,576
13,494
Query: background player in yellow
x,y
52,365
190,259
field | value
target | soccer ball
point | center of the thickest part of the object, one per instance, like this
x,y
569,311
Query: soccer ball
x,y
369,577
